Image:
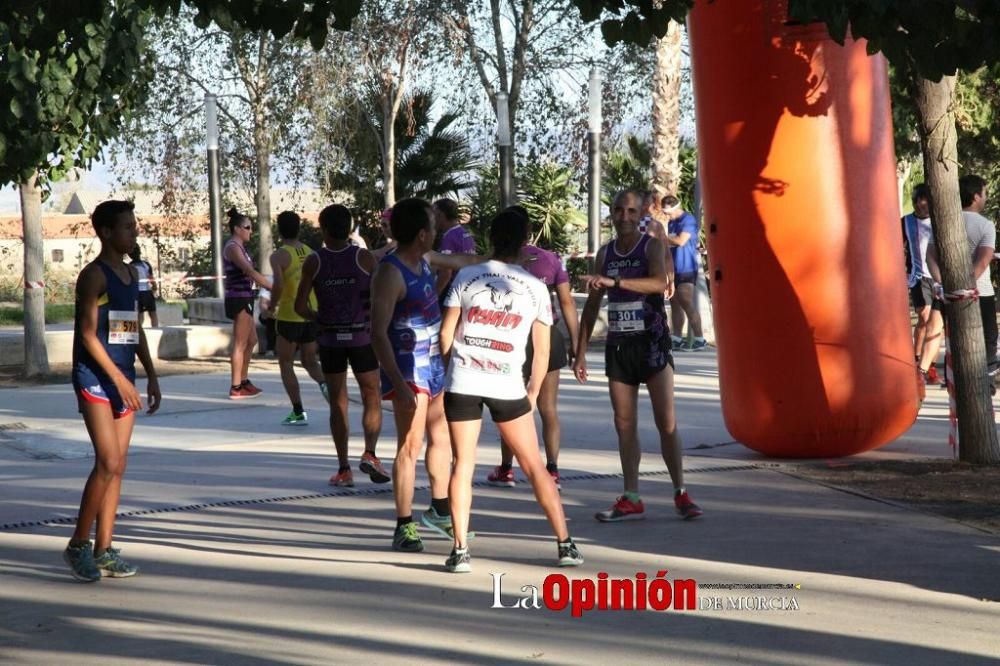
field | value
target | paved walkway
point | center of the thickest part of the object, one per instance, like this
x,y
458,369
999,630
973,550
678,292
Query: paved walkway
x,y
249,557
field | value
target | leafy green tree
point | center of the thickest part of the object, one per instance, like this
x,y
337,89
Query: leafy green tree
x,y
628,166
65,93
262,84
550,194
432,158
529,49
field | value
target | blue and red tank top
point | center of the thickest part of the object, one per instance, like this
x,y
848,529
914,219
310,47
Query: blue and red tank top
x,y
117,325
343,297
237,283
415,329
632,315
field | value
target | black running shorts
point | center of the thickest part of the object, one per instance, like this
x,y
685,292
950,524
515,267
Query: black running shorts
x,y
557,353
334,359
461,407
922,295
146,302
299,332
237,304
634,362
686,278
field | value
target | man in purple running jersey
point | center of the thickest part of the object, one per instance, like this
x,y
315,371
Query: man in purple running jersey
x,y
633,272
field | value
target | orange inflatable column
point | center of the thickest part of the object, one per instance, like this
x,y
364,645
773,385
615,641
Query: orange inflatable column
x,y
802,220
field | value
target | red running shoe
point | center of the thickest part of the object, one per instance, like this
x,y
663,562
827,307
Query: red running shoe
x,y
932,376
500,478
622,509
687,509
241,393
372,466
248,386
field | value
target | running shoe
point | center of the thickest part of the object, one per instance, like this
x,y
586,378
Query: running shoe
x,y
677,343
501,478
294,419
248,386
372,466
81,562
459,561
932,375
241,393
325,390
406,539
622,509
435,521
569,554
343,479
686,509
112,565
696,345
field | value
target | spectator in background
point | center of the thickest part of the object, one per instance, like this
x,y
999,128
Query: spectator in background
x,y
240,277
917,235
982,236
147,287
682,239
452,238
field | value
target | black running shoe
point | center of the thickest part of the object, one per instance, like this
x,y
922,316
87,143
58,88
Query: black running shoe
x,y
569,554
459,561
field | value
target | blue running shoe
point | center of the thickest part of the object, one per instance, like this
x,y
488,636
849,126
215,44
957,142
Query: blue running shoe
x,y
81,562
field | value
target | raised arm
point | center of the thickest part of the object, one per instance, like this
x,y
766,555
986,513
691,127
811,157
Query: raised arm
x,y
657,281
453,261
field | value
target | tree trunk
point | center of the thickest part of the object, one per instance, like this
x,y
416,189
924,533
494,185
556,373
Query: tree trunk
x,y
976,428
263,201
36,357
389,151
666,114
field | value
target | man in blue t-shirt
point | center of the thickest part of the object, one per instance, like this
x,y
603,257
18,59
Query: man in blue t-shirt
x,y
682,238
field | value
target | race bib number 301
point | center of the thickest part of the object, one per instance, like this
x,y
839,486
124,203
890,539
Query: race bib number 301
x,y
626,317
123,327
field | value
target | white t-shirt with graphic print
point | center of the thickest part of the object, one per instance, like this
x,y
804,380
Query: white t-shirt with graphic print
x,y
499,303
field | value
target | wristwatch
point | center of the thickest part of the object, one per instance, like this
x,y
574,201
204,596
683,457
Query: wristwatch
x,y
618,282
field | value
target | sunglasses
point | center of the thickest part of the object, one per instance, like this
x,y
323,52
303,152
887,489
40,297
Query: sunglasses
x,y
247,227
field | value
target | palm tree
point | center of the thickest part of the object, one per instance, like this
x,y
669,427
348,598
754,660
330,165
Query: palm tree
x,y
431,160
666,116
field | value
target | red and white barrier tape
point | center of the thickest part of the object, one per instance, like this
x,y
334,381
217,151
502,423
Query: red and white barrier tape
x,y
34,285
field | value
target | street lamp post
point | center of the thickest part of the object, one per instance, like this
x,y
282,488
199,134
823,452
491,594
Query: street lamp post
x,y
503,146
594,165
214,194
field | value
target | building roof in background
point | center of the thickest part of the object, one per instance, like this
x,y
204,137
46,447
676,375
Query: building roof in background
x,y
78,226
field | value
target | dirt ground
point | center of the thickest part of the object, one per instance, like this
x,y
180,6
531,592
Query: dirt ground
x,y
967,493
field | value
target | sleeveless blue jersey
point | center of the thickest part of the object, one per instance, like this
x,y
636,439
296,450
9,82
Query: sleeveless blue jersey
x,y
117,326
414,331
